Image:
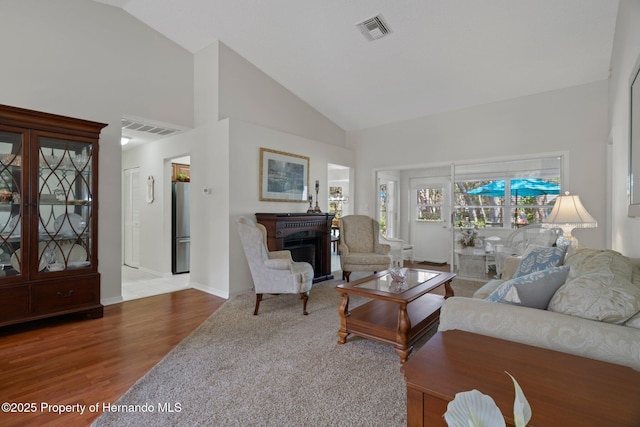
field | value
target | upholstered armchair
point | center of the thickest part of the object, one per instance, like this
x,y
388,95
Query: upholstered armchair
x,y
360,248
273,272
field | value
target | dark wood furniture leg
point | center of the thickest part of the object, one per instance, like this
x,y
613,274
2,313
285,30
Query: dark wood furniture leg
x,y
343,311
305,298
404,326
258,299
448,290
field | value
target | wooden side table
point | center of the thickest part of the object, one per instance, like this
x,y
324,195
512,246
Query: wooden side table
x,y
562,389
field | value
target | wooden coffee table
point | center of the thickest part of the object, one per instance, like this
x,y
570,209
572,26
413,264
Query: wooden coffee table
x,y
396,315
562,389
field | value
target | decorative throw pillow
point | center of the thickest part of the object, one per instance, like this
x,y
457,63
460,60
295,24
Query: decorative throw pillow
x,y
601,295
554,275
602,285
538,292
540,258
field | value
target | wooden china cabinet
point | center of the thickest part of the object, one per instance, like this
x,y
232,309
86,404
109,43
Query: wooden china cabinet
x,y
48,216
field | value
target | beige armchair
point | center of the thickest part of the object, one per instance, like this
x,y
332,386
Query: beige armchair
x,y
273,272
360,248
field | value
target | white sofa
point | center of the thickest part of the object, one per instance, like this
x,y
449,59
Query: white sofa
x,y
590,315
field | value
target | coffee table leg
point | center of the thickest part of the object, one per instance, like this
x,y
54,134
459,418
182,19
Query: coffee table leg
x,y
448,290
343,311
402,338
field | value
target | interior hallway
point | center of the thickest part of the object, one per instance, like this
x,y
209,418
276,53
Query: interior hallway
x,y
140,284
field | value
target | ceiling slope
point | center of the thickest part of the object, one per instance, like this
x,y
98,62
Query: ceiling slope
x,y
440,55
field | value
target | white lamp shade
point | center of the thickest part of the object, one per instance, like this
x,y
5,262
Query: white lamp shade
x,y
569,212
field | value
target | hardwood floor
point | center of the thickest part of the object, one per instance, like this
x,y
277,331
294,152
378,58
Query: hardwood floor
x,y
65,361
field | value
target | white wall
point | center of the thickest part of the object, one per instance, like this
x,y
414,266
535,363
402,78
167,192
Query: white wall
x,y
245,140
625,230
247,93
572,120
85,59
207,145
260,112
224,151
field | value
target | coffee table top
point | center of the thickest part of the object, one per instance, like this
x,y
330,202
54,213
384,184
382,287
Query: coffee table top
x,y
380,285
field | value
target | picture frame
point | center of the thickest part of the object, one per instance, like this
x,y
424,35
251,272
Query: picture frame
x,y
284,177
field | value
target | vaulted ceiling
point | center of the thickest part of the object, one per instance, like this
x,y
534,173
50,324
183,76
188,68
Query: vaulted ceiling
x,y
441,55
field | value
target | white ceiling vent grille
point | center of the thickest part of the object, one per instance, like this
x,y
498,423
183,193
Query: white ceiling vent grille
x,y
148,128
374,28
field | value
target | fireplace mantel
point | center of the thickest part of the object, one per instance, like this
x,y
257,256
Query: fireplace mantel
x,y
297,230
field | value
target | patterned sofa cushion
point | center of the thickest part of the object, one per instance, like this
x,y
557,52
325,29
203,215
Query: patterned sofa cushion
x,y
551,277
599,287
537,294
634,322
540,258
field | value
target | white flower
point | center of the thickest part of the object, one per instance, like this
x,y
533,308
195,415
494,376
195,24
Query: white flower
x,y
475,409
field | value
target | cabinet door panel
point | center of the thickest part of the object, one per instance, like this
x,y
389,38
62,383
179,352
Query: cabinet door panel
x,y
14,302
12,194
65,205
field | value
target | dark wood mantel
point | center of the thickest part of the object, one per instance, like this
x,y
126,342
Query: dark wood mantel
x,y
297,230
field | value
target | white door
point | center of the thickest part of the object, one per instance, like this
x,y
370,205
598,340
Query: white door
x,y
132,194
429,227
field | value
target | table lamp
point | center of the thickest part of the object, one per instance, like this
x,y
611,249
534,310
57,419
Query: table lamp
x,y
569,213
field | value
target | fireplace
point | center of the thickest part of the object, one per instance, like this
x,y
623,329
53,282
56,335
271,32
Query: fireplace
x,y
307,236
303,247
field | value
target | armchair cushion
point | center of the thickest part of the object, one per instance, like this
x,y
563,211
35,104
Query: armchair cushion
x,y
368,259
278,263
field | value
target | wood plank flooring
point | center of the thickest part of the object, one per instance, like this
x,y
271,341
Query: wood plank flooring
x,y
65,361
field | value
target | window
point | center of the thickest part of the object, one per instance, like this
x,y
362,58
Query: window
x,y
506,194
429,203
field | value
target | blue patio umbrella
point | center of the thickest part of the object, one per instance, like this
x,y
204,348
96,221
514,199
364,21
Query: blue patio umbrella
x,y
519,187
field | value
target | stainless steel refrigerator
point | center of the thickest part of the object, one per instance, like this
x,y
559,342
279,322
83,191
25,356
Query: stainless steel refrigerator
x,y
181,237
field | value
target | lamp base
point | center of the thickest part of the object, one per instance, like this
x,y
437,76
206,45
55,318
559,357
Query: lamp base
x,y
569,241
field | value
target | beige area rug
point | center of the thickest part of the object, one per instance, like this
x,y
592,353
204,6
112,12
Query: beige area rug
x,y
279,368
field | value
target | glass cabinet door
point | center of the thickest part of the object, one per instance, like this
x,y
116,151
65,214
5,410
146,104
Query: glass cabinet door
x,y
12,229
65,205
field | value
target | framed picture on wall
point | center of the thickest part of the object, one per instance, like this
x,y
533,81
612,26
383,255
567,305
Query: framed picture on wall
x,y
284,177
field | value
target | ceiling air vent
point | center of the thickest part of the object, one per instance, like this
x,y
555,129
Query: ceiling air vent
x,y
374,28
144,127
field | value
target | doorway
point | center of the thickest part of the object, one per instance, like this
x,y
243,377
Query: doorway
x,y
339,179
180,215
131,217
